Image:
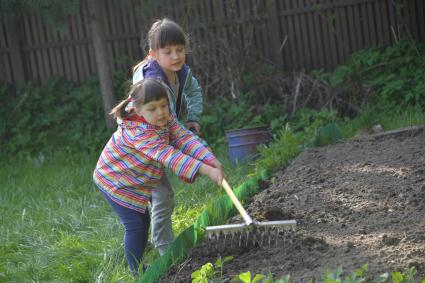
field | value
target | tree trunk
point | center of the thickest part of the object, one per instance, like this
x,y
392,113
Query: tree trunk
x,y
104,67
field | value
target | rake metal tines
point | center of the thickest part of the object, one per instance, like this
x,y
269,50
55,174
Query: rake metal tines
x,y
257,233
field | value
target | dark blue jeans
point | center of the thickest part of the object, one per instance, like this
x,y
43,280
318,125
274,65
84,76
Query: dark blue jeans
x,y
136,226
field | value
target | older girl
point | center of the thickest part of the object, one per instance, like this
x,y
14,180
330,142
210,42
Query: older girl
x,y
166,62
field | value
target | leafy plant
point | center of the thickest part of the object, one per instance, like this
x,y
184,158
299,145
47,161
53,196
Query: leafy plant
x,y
202,275
394,74
211,273
246,277
355,277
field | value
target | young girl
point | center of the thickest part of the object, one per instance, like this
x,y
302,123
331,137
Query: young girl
x,y
166,63
131,165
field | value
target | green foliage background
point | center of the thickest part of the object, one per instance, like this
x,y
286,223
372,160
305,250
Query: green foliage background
x,y
58,114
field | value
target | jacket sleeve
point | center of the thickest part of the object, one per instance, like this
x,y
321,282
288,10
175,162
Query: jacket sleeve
x,y
193,95
153,147
189,143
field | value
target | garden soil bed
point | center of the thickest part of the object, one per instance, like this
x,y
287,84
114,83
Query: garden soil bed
x,y
357,202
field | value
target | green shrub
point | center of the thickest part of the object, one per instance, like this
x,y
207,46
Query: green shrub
x,y
396,75
54,115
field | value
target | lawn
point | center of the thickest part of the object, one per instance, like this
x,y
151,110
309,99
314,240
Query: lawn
x,y
55,226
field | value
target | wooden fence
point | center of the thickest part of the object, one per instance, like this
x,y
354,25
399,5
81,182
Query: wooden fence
x,y
225,34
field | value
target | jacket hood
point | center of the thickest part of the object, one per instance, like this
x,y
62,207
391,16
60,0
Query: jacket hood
x,y
152,70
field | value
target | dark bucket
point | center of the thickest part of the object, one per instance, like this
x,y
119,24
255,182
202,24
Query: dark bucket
x,y
243,142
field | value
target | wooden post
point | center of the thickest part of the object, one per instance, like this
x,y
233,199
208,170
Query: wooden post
x,y
13,33
103,63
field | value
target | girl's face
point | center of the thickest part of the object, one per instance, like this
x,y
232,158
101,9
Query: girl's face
x,y
155,112
171,58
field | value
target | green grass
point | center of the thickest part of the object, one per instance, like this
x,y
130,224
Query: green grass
x,y
56,227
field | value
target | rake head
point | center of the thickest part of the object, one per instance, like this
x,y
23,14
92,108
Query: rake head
x,y
256,233
266,226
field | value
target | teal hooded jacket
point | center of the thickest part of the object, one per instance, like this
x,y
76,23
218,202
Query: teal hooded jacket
x,y
189,97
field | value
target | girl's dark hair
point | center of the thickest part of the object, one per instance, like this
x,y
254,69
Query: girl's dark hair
x,y
143,92
163,32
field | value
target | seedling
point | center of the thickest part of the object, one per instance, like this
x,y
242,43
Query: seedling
x,y
209,273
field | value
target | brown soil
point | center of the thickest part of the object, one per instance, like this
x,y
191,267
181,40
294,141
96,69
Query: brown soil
x,y
356,202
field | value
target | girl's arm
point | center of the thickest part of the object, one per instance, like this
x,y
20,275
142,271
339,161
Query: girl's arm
x,y
189,143
193,96
154,148
215,174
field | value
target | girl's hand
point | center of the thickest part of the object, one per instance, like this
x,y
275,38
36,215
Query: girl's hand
x,y
215,163
194,127
215,174
219,166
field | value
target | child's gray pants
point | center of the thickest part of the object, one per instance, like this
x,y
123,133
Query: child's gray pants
x,y
161,211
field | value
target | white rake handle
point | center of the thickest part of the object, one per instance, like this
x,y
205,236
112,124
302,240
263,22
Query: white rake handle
x,y
236,202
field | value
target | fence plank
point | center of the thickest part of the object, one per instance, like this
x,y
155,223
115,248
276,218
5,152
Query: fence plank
x,y
31,54
306,63
378,22
383,10
84,62
45,51
73,51
6,67
70,54
366,28
218,33
294,37
51,53
335,43
358,27
84,27
40,72
320,51
421,17
259,30
326,23
126,29
135,50
372,24
15,61
284,47
346,32
45,58
109,27
309,26
351,26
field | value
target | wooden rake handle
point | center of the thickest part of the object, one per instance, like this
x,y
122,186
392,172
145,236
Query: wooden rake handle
x,y
236,203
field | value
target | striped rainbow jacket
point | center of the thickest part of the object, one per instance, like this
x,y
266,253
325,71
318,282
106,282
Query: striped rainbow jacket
x,y
132,162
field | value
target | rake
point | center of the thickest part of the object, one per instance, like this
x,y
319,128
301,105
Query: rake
x,y
258,231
